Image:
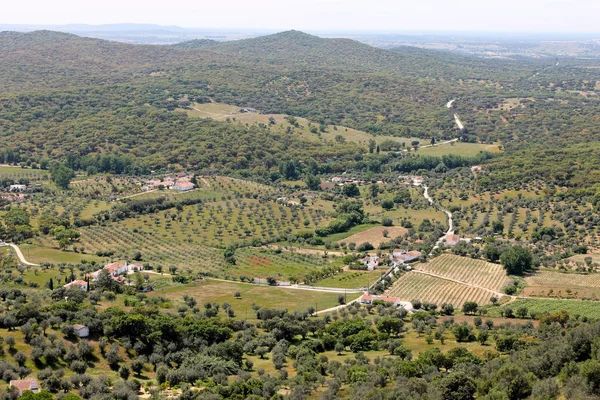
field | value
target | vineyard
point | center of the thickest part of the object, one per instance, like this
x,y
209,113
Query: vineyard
x,y
414,285
469,270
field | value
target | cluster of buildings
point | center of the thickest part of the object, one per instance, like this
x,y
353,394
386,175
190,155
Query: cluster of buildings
x,y
370,298
14,193
180,182
12,196
342,180
397,258
411,180
115,270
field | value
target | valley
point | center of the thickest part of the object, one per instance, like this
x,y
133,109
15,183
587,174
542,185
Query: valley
x,y
291,216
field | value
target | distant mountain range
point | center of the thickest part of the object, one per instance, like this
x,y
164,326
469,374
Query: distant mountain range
x,y
489,45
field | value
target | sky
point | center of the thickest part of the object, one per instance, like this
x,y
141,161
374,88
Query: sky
x,y
519,16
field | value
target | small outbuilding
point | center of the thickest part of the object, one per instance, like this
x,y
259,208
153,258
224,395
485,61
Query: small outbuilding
x,y
81,330
23,385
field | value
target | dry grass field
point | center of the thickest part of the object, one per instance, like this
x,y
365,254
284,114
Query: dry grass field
x,y
549,283
375,235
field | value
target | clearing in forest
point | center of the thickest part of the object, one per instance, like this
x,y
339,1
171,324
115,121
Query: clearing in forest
x,y
375,235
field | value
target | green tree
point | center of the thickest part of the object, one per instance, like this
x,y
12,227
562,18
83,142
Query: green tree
x,y
351,190
457,386
516,260
62,175
390,325
470,307
313,182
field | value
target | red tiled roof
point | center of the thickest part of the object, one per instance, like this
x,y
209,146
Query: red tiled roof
x,y
387,299
25,384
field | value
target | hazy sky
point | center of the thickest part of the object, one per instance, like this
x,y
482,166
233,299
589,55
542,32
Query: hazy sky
x,y
359,15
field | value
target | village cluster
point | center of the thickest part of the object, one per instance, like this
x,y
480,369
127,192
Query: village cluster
x,y
15,193
181,182
116,271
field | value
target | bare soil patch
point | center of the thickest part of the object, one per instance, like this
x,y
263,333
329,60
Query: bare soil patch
x,y
375,235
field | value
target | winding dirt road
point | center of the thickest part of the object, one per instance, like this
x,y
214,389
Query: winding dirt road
x,y
19,253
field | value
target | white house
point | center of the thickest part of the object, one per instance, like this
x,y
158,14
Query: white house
x,y
183,185
81,330
114,269
400,257
17,188
372,262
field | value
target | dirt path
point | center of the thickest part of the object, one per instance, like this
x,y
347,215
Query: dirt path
x,y
19,253
337,307
450,230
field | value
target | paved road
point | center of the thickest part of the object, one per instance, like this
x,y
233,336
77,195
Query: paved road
x,y
19,253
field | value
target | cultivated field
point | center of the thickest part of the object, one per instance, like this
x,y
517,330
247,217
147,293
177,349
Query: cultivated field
x,y
17,173
563,285
351,279
270,297
414,285
590,309
476,272
375,235
459,149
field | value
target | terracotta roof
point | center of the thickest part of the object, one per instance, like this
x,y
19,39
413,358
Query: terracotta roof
x,y
77,282
387,299
114,266
25,384
452,239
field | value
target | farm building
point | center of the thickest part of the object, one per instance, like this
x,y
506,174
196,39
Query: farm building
x,y
404,257
17,188
372,262
369,298
476,168
23,385
452,240
81,330
12,196
115,269
398,252
83,285
183,185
